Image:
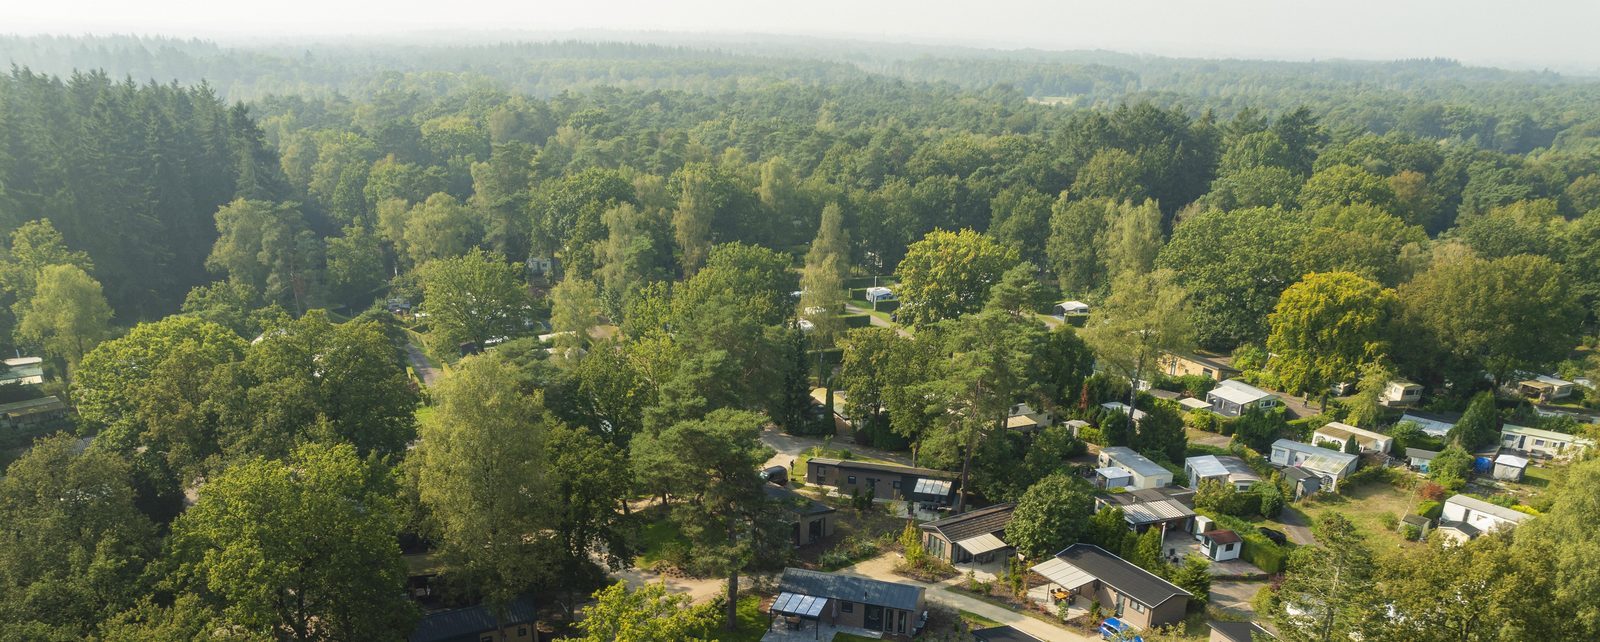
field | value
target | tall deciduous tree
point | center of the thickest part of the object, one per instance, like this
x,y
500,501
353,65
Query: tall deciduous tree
x,y
67,315
473,297
269,247
1480,425
822,292
1147,315
1500,315
696,211
1133,238
1051,516
482,472
75,545
642,615
305,549
1325,327
440,227
1563,606
948,274
574,311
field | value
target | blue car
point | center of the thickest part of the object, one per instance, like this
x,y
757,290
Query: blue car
x,y
1113,629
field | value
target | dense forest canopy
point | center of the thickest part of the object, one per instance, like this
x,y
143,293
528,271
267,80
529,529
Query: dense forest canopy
x,y
243,264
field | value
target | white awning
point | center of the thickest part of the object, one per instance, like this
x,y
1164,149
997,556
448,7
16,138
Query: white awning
x,y
798,605
1151,512
982,544
938,487
1066,575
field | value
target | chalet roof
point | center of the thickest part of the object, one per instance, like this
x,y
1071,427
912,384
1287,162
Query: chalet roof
x,y
1239,632
795,502
1344,431
973,523
851,588
1118,573
1418,453
468,622
1223,536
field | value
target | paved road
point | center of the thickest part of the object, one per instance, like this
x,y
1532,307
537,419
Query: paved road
x,y
1235,596
881,568
1295,524
419,362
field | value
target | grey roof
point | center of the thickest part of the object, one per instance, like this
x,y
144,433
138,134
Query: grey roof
x,y
1207,466
1139,464
1544,434
1473,503
1118,573
31,406
1240,631
851,589
1238,392
1002,634
795,502
1418,453
1298,473
887,468
1152,512
1147,496
1464,528
1318,458
467,623
971,524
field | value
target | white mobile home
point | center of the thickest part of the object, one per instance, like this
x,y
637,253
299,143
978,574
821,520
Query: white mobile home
x,y
1223,468
1144,473
1232,398
1331,466
1465,518
1367,440
1542,443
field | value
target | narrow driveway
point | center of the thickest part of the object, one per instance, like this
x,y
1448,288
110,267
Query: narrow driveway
x,y
419,362
876,320
789,448
1296,526
881,568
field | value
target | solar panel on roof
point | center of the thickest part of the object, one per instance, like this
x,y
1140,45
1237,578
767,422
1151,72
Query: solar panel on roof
x,y
932,487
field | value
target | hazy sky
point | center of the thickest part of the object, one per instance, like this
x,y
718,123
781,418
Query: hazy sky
x,y
1556,33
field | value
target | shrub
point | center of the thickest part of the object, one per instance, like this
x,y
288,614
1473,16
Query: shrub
x,y
1430,509
1205,420
1431,491
1411,532
1388,520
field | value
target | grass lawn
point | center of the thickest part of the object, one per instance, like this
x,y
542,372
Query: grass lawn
x,y
1539,476
1365,506
866,306
752,623
978,621
654,538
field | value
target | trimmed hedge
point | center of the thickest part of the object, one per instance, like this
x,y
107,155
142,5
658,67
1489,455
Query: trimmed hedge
x,y
1258,550
858,294
887,306
857,320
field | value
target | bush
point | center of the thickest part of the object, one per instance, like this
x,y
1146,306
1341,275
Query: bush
x,y
1389,521
1432,492
886,306
1411,532
1206,421
1368,475
1430,509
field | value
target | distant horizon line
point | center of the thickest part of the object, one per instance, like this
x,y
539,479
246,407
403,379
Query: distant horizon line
x,y
707,39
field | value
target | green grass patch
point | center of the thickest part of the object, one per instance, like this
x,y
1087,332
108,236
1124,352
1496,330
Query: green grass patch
x,y
1366,506
752,623
978,621
656,538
